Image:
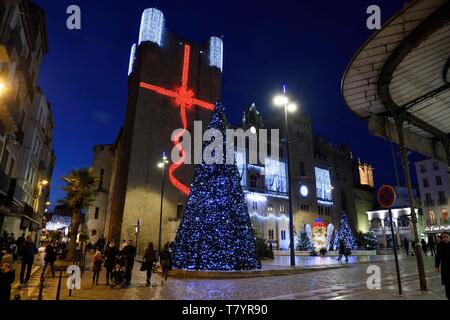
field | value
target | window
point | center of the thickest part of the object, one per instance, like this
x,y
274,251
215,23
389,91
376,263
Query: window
x,y
431,217
423,168
428,197
444,215
179,211
435,166
281,153
94,232
442,197
302,169
304,207
269,208
425,183
97,209
271,234
283,234
438,181
100,183
255,205
282,208
253,181
4,160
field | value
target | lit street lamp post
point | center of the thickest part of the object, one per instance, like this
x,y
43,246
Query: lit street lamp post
x,y
162,165
283,101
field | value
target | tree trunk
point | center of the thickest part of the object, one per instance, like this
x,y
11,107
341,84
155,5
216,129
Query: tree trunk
x,y
76,217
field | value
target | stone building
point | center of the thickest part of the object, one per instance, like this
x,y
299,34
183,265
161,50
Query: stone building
x,y
365,195
26,121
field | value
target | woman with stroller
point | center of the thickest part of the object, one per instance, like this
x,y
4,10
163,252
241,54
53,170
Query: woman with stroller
x,y
166,260
149,262
97,267
111,253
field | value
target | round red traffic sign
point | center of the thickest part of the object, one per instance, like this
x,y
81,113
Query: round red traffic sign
x,y
386,196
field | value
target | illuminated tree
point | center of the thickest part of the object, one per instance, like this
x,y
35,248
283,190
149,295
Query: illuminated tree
x,y
215,232
344,232
303,242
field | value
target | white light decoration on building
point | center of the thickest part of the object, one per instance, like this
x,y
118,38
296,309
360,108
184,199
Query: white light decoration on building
x,y
240,163
268,217
152,26
275,178
216,52
304,191
58,222
323,185
256,197
132,59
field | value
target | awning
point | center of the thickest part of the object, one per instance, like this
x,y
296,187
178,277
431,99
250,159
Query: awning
x,y
403,69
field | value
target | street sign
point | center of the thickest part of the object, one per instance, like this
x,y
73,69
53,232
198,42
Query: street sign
x,y
386,196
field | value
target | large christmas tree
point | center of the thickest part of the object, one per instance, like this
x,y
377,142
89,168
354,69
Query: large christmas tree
x,y
304,243
215,232
344,232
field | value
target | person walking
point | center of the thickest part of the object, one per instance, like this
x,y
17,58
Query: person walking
x,y
123,245
96,267
111,253
28,252
7,276
442,261
342,250
432,245
50,258
165,259
19,243
424,247
129,252
406,246
149,262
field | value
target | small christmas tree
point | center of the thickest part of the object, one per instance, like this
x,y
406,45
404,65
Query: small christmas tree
x,y
370,241
215,232
304,243
344,232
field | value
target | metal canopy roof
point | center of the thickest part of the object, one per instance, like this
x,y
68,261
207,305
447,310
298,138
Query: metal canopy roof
x,y
403,70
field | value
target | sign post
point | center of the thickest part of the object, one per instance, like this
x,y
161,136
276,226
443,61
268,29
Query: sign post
x,y
386,198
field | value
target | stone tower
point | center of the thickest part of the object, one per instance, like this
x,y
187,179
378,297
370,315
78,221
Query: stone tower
x,y
172,83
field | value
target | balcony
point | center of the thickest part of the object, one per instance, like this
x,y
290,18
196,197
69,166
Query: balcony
x,y
442,201
8,115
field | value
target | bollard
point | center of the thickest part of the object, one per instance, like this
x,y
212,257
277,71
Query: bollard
x,y
58,292
41,285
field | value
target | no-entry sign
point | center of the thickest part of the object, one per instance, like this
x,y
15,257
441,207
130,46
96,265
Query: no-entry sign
x,y
386,196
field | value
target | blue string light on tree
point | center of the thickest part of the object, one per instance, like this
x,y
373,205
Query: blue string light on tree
x,y
215,232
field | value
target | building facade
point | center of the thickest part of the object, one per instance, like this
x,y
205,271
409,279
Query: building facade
x,y
26,121
434,185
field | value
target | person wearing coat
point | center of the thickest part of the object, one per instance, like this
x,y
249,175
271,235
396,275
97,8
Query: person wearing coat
x,y
96,267
50,258
149,261
28,252
7,276
342,250
442,261
111,253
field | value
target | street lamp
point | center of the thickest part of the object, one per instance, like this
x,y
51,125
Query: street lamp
x,y
162,165
283,101
44,182
2,87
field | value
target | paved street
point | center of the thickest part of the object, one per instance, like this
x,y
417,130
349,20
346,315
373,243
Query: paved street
x,y
339,283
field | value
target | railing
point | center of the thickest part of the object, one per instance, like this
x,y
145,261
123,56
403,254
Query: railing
x,y
442,201
429,203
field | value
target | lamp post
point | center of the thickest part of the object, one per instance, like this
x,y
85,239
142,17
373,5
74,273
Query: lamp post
x,y
283,101
162,166
137,228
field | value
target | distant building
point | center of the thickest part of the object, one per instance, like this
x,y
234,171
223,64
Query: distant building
x,y
434,185
26,120
365,195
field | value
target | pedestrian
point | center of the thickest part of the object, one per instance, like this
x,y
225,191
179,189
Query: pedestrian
x,y
19,243
165,259
442,261
50,258
129,252
342,250
111,253
28,252
412,248
406,246
149,262
7,276
432,245
424,247
96,267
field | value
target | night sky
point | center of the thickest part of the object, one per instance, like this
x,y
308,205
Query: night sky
x,y
305,44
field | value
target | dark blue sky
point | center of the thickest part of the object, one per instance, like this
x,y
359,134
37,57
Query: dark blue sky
x,y
305,44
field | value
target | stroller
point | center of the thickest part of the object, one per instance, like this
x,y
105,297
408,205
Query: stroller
x,y
119,272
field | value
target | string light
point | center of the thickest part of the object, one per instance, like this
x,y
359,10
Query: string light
x,y
269,217
216,52
132,58
152,26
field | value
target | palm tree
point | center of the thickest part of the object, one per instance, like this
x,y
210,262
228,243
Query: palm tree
x,y
80,189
